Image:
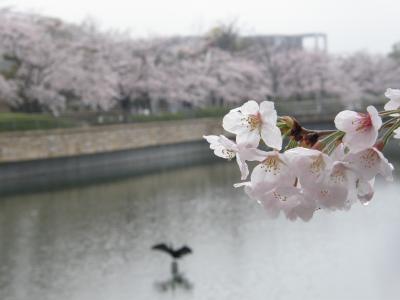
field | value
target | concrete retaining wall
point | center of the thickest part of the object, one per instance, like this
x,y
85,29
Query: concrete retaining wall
x,y
32,145
39,160
45,174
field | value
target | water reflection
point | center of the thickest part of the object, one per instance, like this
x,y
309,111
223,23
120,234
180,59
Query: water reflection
x,y
177,280
93,243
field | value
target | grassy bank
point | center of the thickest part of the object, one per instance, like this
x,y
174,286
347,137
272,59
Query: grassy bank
x,y
24,121
305,109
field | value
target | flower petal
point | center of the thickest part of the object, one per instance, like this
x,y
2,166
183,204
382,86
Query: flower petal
x,y
254,191
271,136
251,138
250,108
397,133
392,105
365,191
361,140
252,154
244,169
222,152
393,94
344,120
227,143
368,163
385,168
268,112
232,121
394,102
289,200
308,165
338,153
212,139
273,172
375,118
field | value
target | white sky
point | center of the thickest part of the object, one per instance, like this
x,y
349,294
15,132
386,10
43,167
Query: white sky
x,y
372,25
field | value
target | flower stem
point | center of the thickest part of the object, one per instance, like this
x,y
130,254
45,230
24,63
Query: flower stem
x,y
390,131
292,144
389,123
330,142
389,112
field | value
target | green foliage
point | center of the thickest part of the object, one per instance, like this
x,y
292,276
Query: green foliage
x,y
208,112
211,112
21,121
10,66
226,37
158,117
395,53
30,121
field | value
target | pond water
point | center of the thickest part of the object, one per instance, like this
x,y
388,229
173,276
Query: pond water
x,y
93,242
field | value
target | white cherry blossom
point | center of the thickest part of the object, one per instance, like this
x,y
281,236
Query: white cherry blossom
x,y
275,186
273,171
361,129
253,190
251,122
290,201
338,153
286,198
299,181
368,163
394,102
333,191
308,165
225,148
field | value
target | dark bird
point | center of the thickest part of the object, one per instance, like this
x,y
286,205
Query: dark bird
x,y
175,253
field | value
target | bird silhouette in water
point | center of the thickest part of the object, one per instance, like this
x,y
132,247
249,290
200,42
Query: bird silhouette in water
x,y
177,278
175,253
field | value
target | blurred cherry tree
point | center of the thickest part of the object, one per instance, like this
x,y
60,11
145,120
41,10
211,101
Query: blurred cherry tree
x,y
47,65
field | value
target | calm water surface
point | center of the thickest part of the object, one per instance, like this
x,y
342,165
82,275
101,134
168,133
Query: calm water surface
x,y
94,242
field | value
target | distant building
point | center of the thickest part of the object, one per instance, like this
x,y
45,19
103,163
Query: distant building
x,y
313,41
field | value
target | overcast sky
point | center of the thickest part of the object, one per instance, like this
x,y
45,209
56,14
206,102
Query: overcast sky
x,y
351,25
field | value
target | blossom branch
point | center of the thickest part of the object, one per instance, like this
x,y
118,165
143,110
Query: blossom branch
x,y
317,169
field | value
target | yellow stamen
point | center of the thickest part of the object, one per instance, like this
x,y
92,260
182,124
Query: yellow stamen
x,y
317,165
253,121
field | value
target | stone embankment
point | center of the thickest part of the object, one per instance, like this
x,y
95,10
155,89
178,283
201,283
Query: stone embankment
x,y
32,145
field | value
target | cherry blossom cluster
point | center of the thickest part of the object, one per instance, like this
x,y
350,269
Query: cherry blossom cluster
x,y
47,64
316,169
